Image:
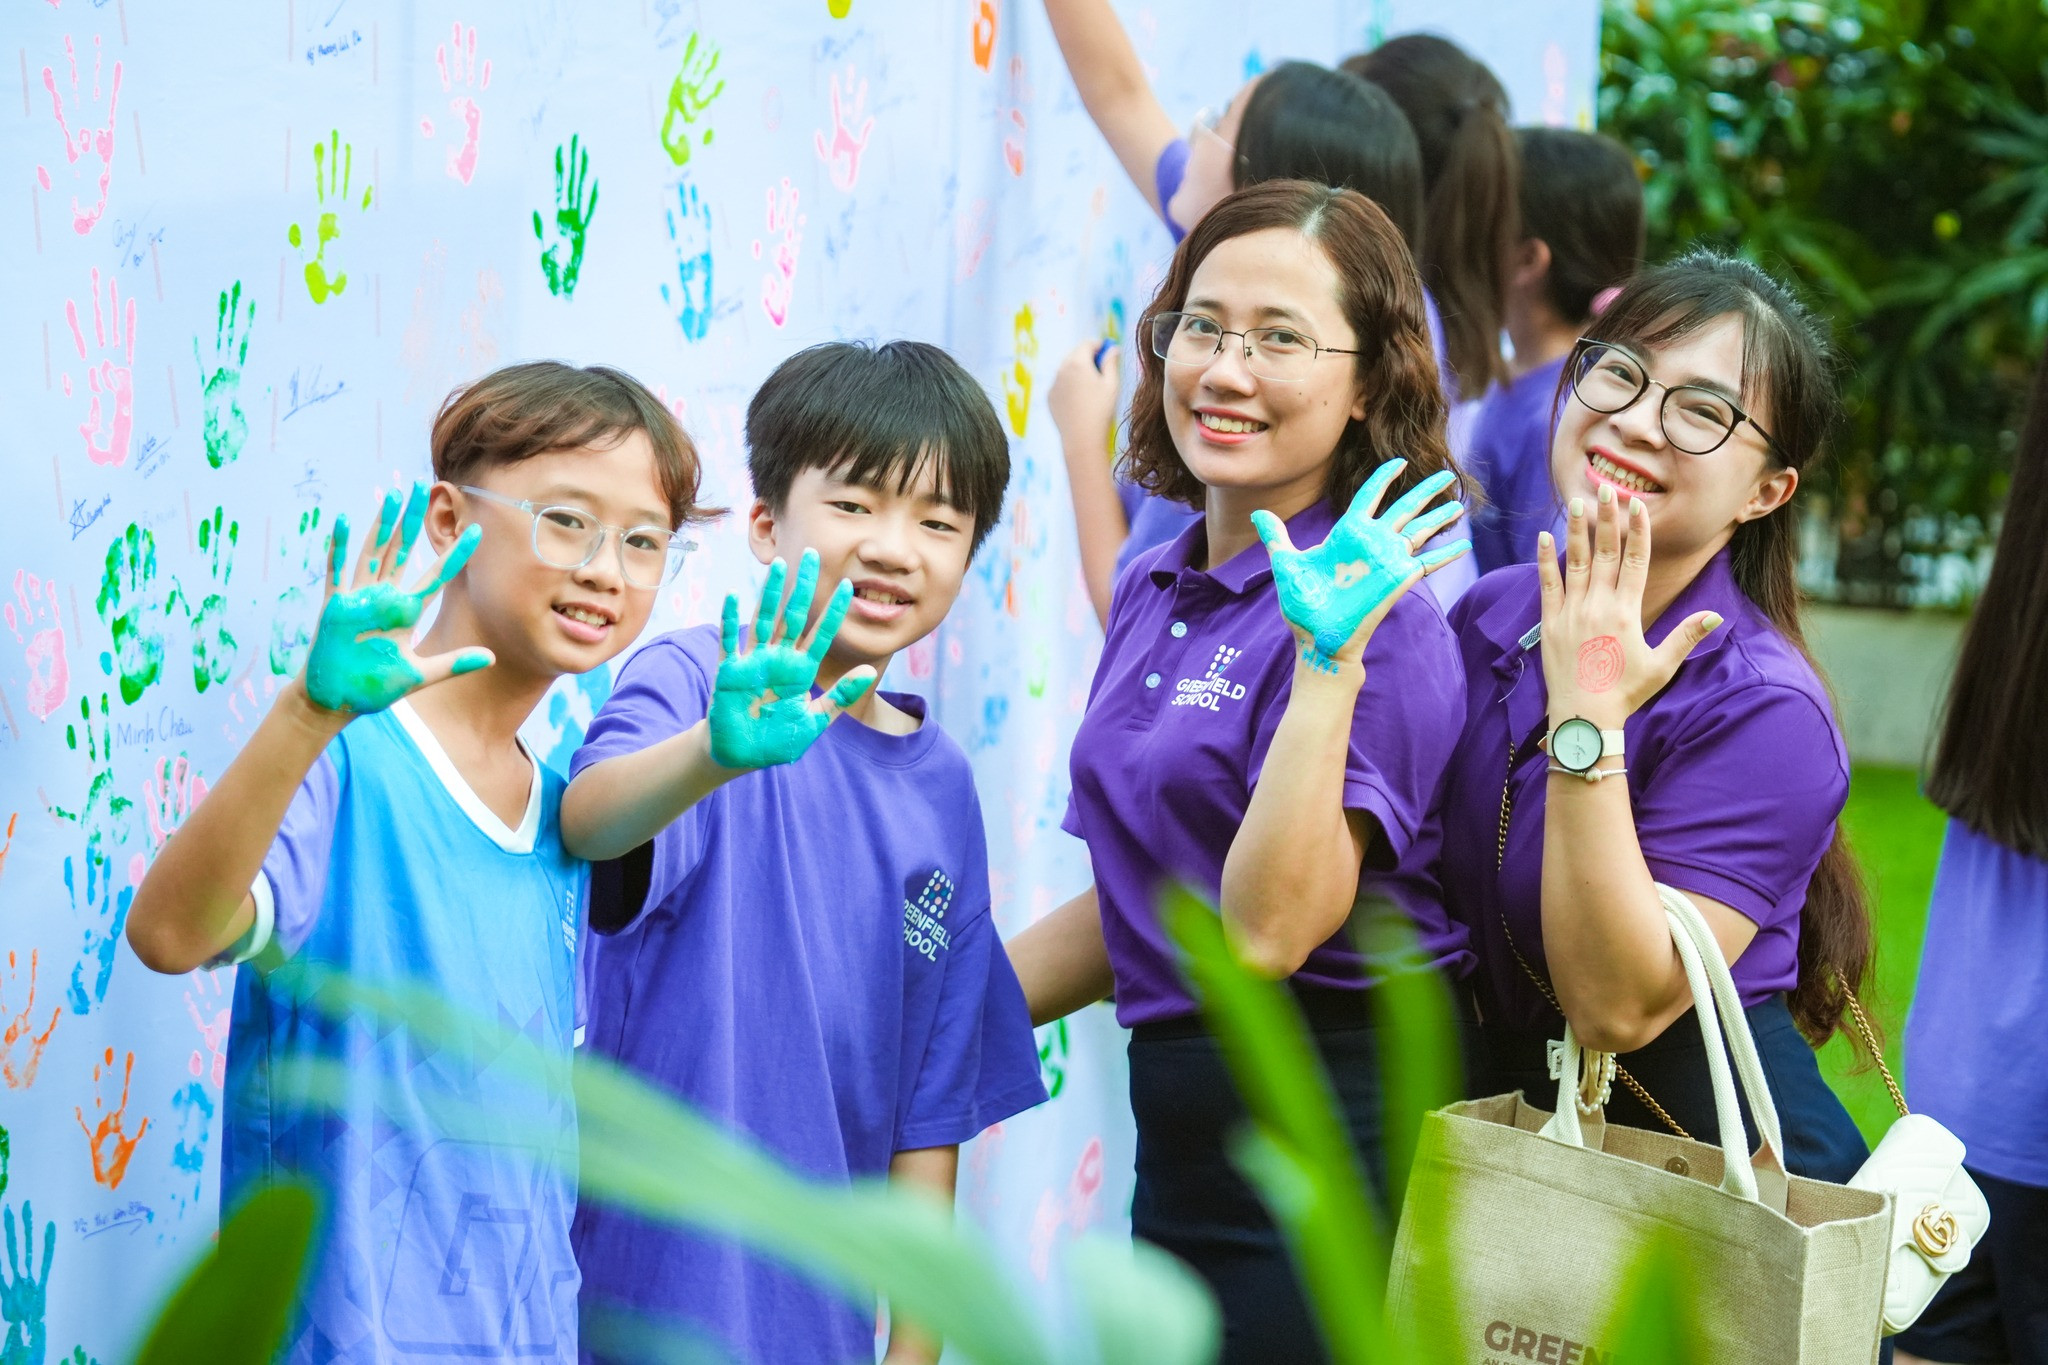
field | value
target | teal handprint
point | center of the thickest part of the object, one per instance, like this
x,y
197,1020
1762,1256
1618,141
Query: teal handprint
x,y
762,711
562,261
1328,593
213,647
362,660
23,1295
224,426
690,234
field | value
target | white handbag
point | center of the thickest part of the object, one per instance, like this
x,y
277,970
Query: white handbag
x,y
1938,1213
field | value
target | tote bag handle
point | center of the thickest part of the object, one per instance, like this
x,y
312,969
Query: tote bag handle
x,y
1718,1007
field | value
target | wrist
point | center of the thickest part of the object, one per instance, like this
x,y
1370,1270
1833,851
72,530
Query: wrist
x,y
1315,671
297,707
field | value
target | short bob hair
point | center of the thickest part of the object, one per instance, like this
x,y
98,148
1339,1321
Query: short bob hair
x,y
876,416
1382,300
520,411
1307,122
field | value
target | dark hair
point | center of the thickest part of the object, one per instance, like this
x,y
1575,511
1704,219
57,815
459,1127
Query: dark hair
x,y
1788,383
1307,122
1471,182
1582,198
879,414
1991,769
521,411
1381,299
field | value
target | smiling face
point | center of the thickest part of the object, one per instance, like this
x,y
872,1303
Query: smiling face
x,y
904,552
541,621
1256,439
1695,501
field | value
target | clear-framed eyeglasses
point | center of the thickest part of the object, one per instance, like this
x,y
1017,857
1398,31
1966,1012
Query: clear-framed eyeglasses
x,y
569,538
1695,420
1207,122
1281,354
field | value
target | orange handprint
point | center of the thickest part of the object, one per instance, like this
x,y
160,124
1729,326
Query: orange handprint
x,y
19,1071
984,32
111,1147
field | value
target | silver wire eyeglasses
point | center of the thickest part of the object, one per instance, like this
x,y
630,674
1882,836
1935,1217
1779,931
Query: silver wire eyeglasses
x,y
1696,420
1281,354
569,538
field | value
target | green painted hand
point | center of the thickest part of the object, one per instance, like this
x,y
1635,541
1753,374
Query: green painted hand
x,y
762,711
362,658
1335,594
224,426
562,261
689,96
213,645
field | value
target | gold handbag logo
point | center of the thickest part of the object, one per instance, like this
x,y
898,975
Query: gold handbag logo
x,y
1545,1348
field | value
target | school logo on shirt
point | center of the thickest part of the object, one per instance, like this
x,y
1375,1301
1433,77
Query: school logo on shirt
x,y
1212,689
926,898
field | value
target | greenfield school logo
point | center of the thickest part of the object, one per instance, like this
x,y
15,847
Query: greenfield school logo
x,y
1507,1343
569,920
1212,689
924,914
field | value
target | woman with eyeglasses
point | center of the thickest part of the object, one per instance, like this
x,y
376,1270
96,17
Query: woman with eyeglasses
x,y
1297,121
1646,712
1267,724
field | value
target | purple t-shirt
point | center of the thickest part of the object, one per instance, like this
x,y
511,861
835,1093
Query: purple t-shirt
x,y
1167,173
1194,677
1736,770
816,971
1976,1048
1509,457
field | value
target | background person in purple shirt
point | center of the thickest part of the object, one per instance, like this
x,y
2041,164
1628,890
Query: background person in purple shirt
x,y
1234,743
806,955
1582,234
1698,402
1976,1044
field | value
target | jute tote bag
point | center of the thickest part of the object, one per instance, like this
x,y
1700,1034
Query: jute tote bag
x,y
1541,1217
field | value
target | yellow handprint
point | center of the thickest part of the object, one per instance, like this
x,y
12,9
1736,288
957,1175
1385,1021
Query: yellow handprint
x,y
333,164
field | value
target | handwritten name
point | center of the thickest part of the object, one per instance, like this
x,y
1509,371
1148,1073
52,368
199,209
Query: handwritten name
x,y
353,38
169,725
152,456
130,246
312,393
82,519
132,1215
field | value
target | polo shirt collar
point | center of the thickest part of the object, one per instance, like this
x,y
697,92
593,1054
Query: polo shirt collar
x,y
1250,568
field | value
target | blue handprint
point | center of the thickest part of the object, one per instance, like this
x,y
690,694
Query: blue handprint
x,y
689,229
1328,593
762,712
23,1296
361,661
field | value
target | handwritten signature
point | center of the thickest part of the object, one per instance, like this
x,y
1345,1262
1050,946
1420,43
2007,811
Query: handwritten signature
x,y
82,520
313,392
133,1215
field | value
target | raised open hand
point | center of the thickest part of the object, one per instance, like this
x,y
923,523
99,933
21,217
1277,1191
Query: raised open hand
x,y
1336,594
362,658
762,711
1596,662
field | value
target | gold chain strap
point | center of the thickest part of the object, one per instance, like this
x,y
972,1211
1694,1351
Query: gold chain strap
x,y
1500,857
1876,1053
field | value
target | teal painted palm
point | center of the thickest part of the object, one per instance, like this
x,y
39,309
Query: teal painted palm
x,y
362,658
1333,593
762,711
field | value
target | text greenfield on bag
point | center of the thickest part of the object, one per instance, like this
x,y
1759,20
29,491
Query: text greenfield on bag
x,y
1521,1228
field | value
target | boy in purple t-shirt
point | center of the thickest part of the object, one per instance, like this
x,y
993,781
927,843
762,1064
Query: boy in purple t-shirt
x,y
806,955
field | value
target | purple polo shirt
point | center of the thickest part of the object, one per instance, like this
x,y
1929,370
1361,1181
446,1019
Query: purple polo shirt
x,y
1736,770
1195,674
1509,456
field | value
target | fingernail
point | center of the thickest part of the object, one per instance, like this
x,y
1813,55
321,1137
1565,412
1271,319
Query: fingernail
x,y
1606,494
1578,508
470,663
1713,621
1543,541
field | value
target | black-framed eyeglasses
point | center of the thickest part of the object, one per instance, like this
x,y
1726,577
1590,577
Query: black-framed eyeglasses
x,y
568,538
1281,354
1696,420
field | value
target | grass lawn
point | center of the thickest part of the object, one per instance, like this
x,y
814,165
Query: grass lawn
x,y
1897,838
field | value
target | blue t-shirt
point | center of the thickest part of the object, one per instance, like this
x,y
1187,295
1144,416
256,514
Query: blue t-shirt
x,y
388,868
816,971
1509,455
1976,1048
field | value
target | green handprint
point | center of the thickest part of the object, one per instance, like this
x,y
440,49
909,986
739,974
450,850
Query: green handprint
x,y
333,164
361,661
688,98
220,392
213,648
23,1296
138,646
1328,593
572,219
103,815
762,712
290,629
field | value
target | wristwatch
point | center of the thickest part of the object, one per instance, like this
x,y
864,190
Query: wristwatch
x,y
1577,745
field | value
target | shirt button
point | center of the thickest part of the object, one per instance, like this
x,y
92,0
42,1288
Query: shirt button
x,y
1180,628
1151,680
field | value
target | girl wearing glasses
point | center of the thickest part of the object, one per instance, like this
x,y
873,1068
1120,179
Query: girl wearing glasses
x,y
1263,756
1647,713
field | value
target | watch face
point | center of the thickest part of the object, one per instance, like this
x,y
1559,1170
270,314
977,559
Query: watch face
x,y
1576,744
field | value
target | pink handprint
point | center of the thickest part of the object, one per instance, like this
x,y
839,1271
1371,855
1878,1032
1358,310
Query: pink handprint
x,y
844,151
209,1011
49,674
169,796
778,286
97,141
1013,137
106,434
1074,1212
457,64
